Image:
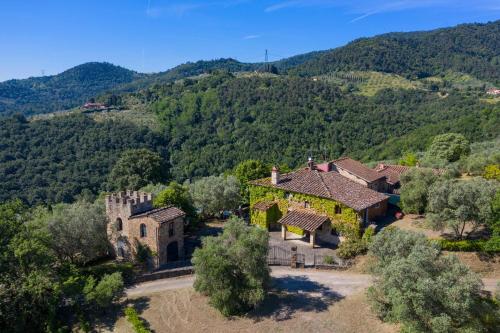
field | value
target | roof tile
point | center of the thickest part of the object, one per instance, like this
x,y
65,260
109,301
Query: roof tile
x,y
303,220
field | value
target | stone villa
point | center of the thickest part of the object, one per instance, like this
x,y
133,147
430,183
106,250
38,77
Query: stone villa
x,y
134,221
310,201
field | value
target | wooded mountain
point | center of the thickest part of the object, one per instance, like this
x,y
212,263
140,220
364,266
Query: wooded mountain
x,y
62,91
468,48
208,124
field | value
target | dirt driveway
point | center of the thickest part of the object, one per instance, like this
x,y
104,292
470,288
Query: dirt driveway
x,y
291,280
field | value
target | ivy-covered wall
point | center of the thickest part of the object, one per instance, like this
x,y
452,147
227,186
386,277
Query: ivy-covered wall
x,y
347,222
265,219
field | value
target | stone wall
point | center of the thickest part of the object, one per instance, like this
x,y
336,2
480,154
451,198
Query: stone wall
x,y
164,239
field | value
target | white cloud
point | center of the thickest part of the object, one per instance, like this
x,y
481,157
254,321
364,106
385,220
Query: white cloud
x,y
180,8
365,8
251,37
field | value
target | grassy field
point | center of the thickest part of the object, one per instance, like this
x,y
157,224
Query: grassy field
x,y
184,310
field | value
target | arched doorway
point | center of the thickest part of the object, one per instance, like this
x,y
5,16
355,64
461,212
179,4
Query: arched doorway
x,y
172,252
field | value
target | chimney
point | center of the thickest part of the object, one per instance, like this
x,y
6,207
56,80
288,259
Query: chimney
x,y
310,163
275,175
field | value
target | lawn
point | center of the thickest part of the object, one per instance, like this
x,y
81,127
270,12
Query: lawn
x,y
184,310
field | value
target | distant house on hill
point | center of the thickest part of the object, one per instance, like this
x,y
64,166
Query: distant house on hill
x,y
493,91
310,201
94,106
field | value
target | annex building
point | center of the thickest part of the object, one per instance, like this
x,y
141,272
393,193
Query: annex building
x,y
134,222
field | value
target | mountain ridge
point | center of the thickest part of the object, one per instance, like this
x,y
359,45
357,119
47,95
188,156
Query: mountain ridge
x,y
472,49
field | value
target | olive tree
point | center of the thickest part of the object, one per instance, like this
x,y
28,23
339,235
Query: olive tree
x,y
78,231
213,194
231,269
456,204
449,147
414,189
419,287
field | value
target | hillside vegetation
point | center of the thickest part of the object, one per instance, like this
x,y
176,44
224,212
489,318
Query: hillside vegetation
x,y
210,115
63,91
55,160
466,55
469,48
215,122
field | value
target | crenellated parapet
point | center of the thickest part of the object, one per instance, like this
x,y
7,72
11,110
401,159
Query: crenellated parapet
x,y
129,203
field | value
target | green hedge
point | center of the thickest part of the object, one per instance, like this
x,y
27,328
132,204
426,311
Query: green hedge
x,y
492,245
136,321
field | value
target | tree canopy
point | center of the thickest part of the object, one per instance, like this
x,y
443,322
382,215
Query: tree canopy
x,y
136,168
179,196
211,195
455,203
414,189
232,268
449,147
423,289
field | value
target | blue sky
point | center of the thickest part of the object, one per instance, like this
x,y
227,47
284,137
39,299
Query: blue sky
x,y
154,35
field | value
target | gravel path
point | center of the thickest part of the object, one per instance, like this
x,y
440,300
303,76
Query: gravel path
x,y
294,280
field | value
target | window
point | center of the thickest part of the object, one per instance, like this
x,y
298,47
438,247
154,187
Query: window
x,y
338,209
288,195
306,204
121,252
170,229
143,230
119,224
377,206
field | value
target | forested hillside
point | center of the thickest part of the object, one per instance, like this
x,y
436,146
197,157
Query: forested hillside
x,y
209,123
220,120
472,49
62,91
54,160
469,48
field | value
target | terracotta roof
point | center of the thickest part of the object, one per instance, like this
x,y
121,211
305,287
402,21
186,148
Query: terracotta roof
x,y
392,172
264,205
161,215
357,168
304,220
330,185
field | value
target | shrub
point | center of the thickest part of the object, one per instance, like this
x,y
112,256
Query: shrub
x,y
135,320
351,248
328,260
480,245
492,171
105,292
368,235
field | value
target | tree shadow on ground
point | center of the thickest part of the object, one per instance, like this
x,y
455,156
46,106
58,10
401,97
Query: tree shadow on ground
x,y
291,294
108,318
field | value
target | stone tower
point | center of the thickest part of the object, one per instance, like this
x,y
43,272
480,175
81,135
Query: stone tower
x,y
119,208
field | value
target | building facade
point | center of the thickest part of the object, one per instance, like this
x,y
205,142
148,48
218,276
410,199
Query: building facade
x,y
317,201
134,222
